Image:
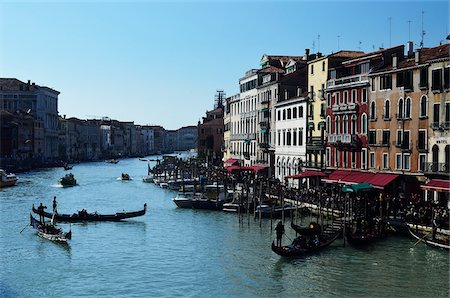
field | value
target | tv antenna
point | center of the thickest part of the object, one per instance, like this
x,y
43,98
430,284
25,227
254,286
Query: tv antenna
x,y
359,45
409,30
339,37
390,31
318,43
422,33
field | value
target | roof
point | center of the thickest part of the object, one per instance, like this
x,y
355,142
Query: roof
x,y
13,84
376,53
377,180
271,69
347,54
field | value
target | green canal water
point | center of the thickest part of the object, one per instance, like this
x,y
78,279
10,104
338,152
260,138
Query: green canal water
x,y
173,252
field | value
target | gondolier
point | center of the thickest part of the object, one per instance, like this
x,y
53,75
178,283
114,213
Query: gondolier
x,y
280,231
54,204
41,209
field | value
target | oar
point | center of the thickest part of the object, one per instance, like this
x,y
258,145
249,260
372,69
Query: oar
x,y
421,239
23,229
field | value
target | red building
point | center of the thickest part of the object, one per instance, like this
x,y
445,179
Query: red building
x,y
348,92
210,135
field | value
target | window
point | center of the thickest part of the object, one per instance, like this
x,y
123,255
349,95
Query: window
x,y
364,95
311,111
300,112
312,68
345,157
447,115
372,137
300,137
279,114
406,162
328,157
408,77
345,124
294,113
353,96
294,138
399,137
322,110
408,108
328,100
385,82
337,96
353,161
422,142
336,124
353,125
336,158
400,81
421,162
288,136
364,159
346,97
385,161
279,138
387,111
423,106
372,111
311,92
398,161
372,159
400,109
323,66
284,114
423,77
446,78
289,114
386,137
372,85
436,112
328,128
436,80
364,124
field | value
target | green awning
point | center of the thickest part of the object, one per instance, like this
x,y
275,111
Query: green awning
x,y
264,130
321,123
310,123
264,110
357,187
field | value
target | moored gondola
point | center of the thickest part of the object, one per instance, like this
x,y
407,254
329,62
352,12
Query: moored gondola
x,y
83,215
363,233
442,243
312,229
50,231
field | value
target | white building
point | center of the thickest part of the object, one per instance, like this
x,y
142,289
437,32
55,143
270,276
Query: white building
x,y
290,145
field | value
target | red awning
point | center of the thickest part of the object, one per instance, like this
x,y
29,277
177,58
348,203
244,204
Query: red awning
x,y
358,177
256,168
337,176
307,174
233,169
437,185
230,161
381,180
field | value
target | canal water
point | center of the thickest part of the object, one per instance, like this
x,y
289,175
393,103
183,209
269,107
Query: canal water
x,y
190,253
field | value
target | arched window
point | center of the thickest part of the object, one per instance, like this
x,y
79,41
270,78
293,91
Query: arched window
x,y
345,124
294,113
372,110
364,123
435,158
408,108
387,109
423,106
328,124
353,126
400,108
284,114
300,112
336,125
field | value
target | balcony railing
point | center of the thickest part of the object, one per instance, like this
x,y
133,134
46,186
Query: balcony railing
x,y
435,125
322,94
347,81
437,167
317,141
343,138
345,108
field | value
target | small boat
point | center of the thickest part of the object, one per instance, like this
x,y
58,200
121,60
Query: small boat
x,y
125,176
184,200
148,179
302,247
50,231
113,161
83,215
7,179
360,233
268,211
312,229
442,242
68,180
67,167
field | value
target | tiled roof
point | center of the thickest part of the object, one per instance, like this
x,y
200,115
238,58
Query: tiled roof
x,y
12,84
347,54
271,69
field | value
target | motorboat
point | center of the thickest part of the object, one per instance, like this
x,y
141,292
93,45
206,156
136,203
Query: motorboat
x,y
7,179
125,177
68,180
148,179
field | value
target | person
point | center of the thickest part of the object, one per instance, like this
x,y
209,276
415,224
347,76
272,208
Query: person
x,y
41,210
54,204
280,231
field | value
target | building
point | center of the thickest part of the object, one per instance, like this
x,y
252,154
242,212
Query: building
x,y
40,102
347,100
318,75
210,136
227,120
186,138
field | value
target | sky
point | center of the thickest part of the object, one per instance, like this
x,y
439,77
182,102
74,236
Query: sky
x,y
161,63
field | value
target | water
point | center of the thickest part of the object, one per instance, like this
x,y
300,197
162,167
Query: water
x,y
175,252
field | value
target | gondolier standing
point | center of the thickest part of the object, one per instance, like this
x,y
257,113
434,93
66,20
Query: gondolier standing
x,y
54,205
280,231
41,213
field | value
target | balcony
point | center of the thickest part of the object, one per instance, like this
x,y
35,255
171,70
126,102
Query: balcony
x,y
345,108
435,125
437,168
422,147
404,146
347,81
264,145
344,140
315,141
446,125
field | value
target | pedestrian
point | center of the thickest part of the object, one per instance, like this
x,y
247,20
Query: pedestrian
x,y
280,231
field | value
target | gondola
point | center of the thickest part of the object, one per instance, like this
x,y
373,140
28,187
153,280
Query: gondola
x,y
437,243
312,229
364,236
299,249
50,231
83,215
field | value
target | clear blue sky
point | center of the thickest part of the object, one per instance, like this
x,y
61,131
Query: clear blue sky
x,y
161,63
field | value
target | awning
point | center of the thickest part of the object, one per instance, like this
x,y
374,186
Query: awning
x,y
310,123
358,177
256,168
337,176
360,187
264,110
233,169
437,185
307,174
381,180
230,162
321,123
264,130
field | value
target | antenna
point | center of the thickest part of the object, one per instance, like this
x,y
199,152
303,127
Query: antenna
x,y
409,30
422,34
359,45
338,42
313,46
390,31
318,43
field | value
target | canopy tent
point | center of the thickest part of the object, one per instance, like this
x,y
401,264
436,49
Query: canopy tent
x,y
355,188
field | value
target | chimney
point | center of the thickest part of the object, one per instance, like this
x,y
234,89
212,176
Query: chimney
x,y
319,54
410,48
306,54
394,61
33,83
64,116
417,56
29,82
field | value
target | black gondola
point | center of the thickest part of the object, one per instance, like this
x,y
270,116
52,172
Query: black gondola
x,y
85,216
50,231
312,229
302,248
437,243
363,235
